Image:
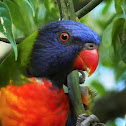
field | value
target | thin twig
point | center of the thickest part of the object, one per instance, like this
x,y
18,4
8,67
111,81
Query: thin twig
x,y
78,5
18,40
86,9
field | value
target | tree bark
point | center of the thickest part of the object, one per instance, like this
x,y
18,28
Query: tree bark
x,y
86,9
111,106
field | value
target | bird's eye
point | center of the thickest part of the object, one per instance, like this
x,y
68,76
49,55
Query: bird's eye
x,y
64,36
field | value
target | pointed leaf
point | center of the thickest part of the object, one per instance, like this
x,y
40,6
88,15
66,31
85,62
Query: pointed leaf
x,y
107,6
106,47
123,52
17,17
98,87
118,36
6,25
119,5
23,16
31,5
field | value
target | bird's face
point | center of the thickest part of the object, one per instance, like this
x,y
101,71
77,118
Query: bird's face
x,y
62,46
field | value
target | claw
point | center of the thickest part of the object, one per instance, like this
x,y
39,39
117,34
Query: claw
x,y
81,118
100,124
86,120
81,77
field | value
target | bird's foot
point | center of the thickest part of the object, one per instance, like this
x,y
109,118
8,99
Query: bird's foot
x,y
86,120
81,77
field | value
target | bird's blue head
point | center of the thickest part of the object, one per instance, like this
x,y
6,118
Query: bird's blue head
x,y
62,46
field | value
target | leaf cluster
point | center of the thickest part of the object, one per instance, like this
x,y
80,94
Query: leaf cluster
x,y
110,24
21,18
114,41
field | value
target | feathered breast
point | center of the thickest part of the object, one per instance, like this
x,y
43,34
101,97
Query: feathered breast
x,y
33,104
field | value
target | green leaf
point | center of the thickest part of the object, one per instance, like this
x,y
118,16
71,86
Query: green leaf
x,y
31,5
111,42
6,25
106,38
116,30
51,9
111,123
36,3
106,47
118,33
123,52
107,6
17,17
119,5
23,16
118,26
120,69
98,87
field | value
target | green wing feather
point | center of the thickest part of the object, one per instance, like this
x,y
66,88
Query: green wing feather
x,y
14,70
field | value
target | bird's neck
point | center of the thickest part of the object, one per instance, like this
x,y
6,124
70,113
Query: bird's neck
x,y
58,79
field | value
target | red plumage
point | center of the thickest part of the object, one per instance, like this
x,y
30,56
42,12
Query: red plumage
x,y
33,104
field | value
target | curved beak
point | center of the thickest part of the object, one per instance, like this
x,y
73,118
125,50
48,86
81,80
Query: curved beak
x,y
87,60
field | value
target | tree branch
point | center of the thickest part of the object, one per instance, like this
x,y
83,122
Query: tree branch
x,y
111,106
6,45
66,9
18,40
67,12
86,9
74,93
79,5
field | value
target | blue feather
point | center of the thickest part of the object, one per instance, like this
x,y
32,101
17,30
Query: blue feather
x,y
51,56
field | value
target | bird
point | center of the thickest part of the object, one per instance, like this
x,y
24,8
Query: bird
x,y
31,88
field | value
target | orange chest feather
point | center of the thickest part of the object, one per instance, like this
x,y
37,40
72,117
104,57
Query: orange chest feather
x,y
33,104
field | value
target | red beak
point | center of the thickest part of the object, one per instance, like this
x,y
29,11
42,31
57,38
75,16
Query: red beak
x,y
87,60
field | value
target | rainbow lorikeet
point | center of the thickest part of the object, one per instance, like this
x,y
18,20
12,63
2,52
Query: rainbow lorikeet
x,y
32,87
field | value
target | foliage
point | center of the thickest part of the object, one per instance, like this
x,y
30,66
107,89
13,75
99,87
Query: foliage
x,y
110,24
6,25
98,87
21,18
112,30
117,30
25,16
